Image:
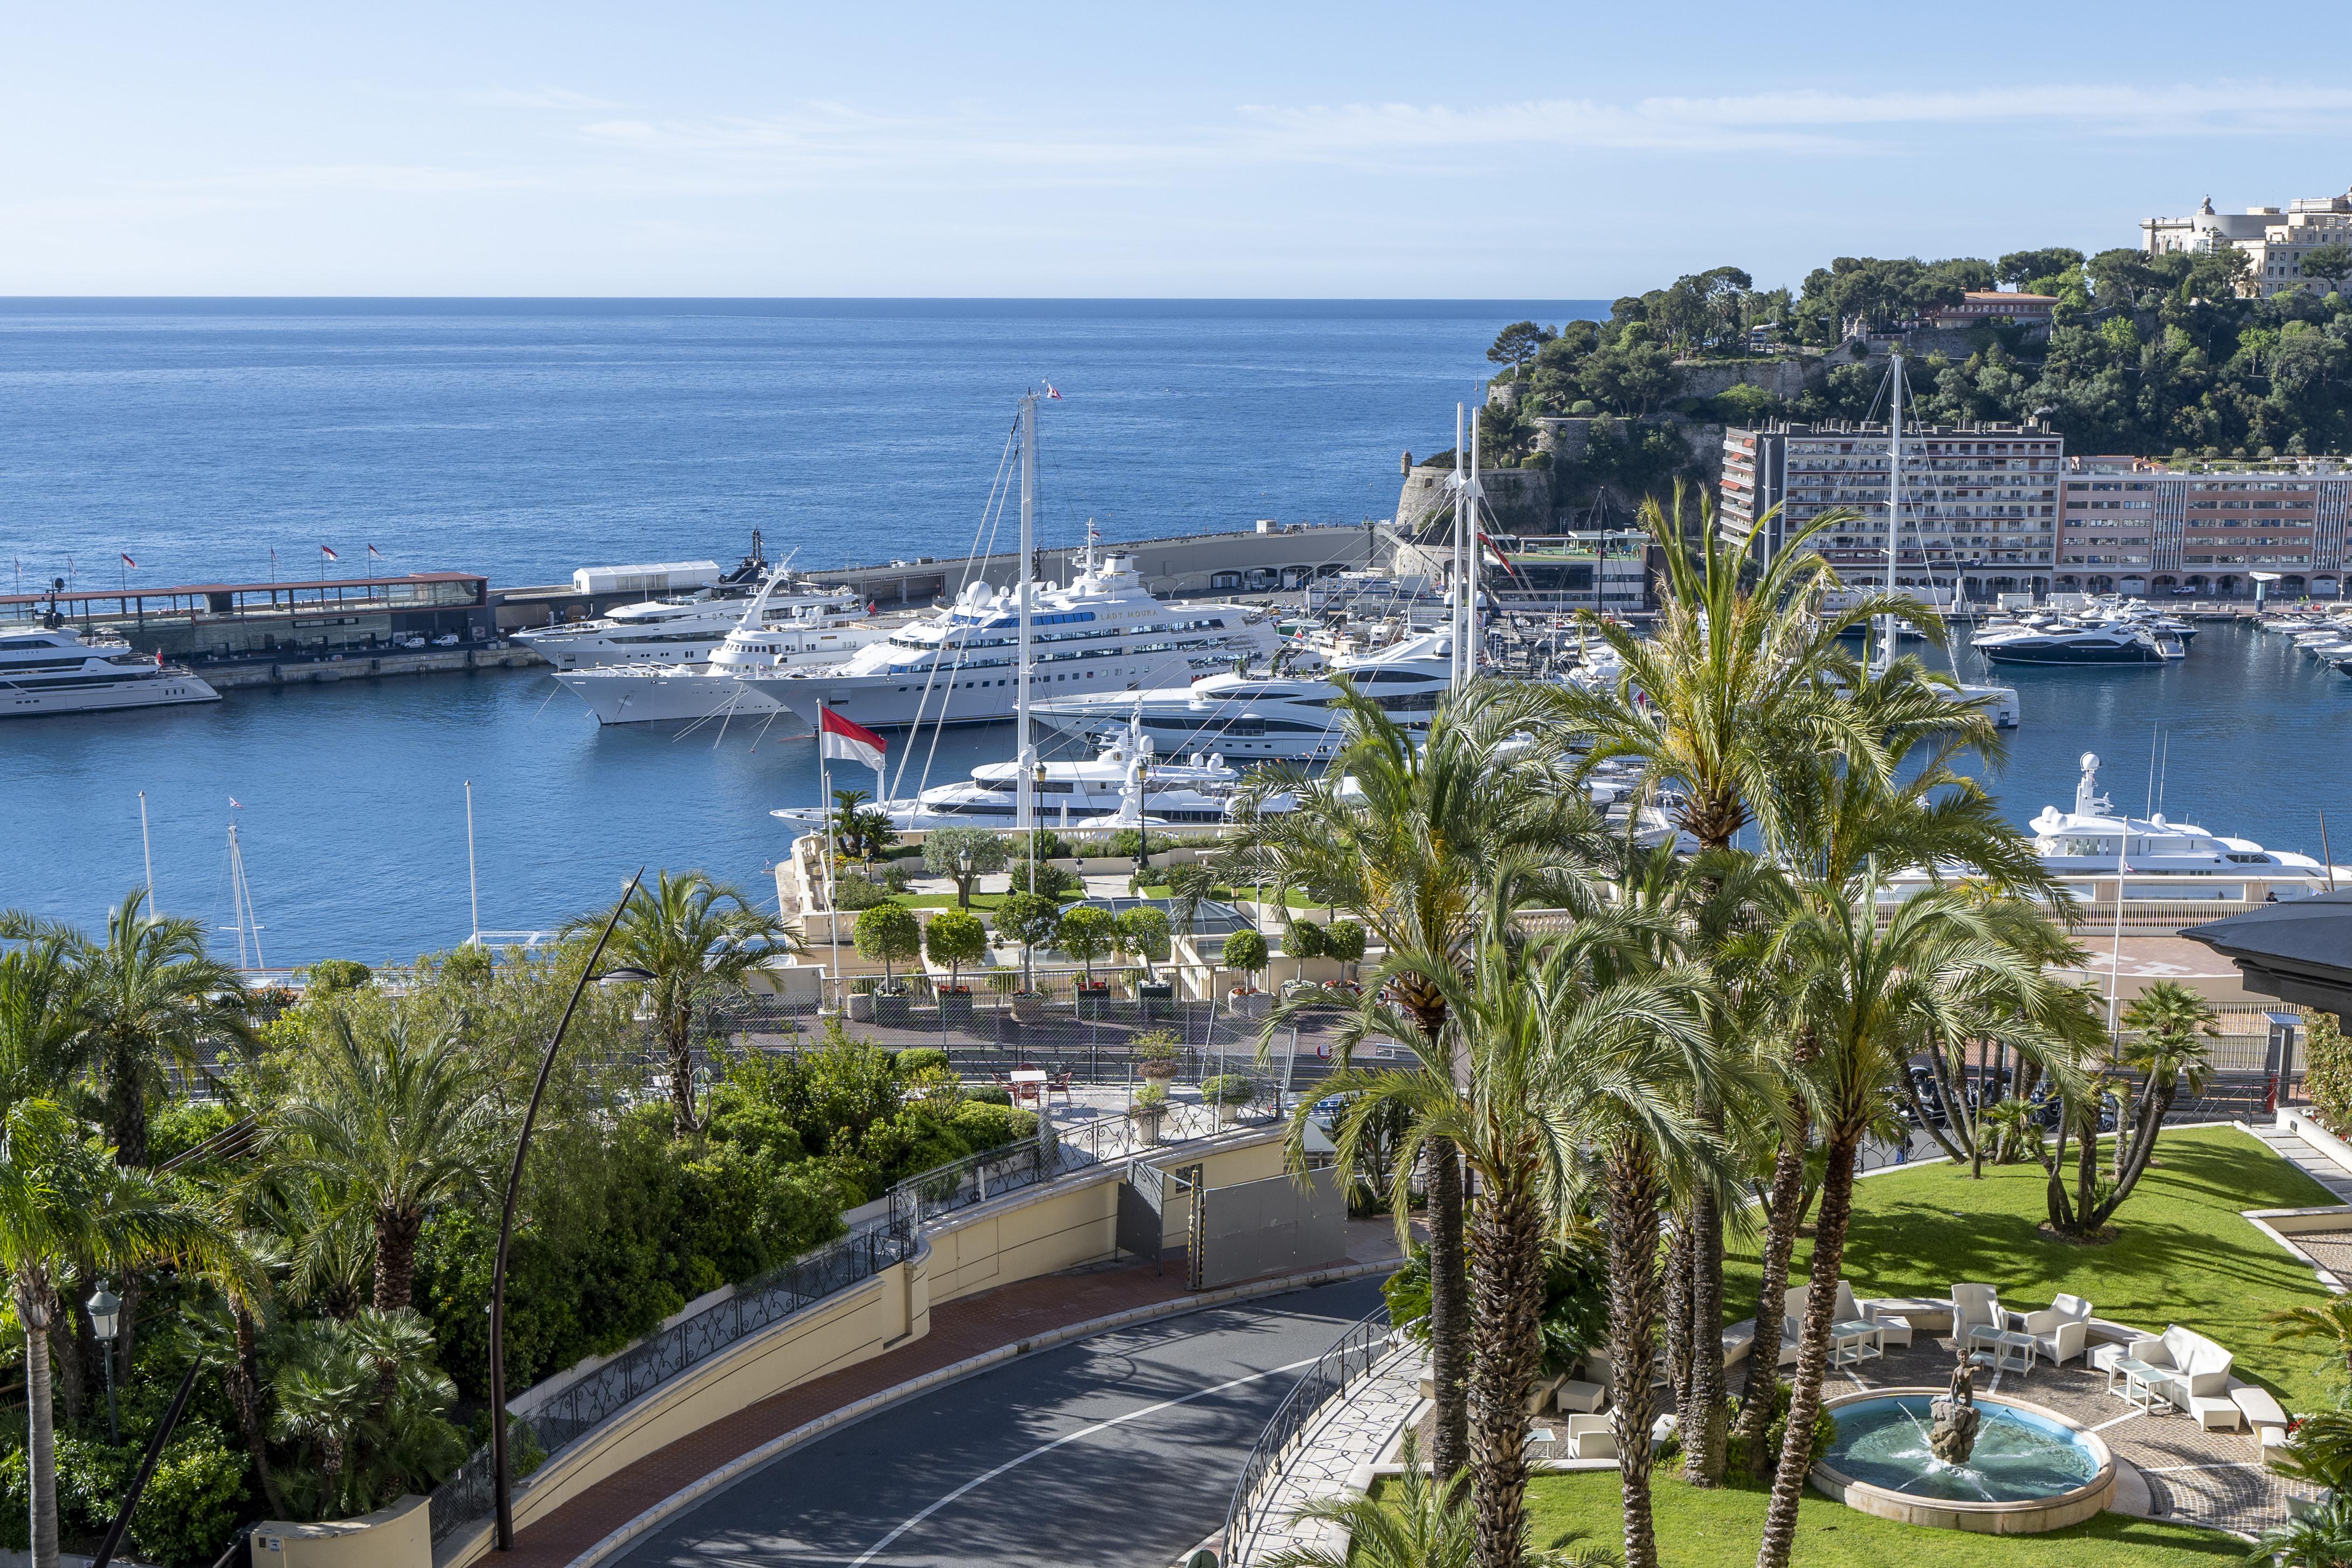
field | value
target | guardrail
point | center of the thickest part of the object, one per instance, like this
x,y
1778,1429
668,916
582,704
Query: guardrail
x,y
1354,1353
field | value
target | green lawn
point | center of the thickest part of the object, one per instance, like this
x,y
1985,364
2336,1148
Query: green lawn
x,y
1720,1528
2183,1254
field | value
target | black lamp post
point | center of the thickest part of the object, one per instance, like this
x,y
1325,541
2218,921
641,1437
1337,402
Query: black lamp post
x,y
502,1486
105,1321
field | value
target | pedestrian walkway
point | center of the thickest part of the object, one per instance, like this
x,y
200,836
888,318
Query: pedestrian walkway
x,y
1352,1429
2309,1159
993,1320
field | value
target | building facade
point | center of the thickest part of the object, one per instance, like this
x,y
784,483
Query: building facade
x,y
1979,502
2128,526
2274,240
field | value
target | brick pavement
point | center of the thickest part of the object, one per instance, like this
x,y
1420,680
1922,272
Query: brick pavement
x,y
959,1330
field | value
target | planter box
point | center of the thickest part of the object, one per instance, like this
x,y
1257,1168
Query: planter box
x,y
1146,1129
893,1012
1155,999
955,1007
861,1007
1157,1072
1027,1007
1091,1000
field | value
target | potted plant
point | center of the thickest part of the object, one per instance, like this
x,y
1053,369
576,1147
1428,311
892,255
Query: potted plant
x,y
1229,1092
955,938
1030,919
889,932
1158,1055
1150,1104
1143,931
1086,934
1245,953
861,999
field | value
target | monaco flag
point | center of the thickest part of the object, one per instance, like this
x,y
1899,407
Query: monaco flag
x,y
840,738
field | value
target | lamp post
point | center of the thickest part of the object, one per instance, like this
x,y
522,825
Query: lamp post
x,y
501,1486
105,1321
963,877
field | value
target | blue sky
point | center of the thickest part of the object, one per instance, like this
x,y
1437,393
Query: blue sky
x,y
1497,151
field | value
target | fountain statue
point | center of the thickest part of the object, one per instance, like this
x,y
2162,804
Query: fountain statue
x,y
1953,1432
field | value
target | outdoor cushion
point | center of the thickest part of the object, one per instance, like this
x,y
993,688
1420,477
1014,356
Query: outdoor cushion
x,y
1581,1397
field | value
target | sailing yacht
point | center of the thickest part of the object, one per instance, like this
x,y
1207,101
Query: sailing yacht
x,y
52,670
1271,716
787,623
1101,633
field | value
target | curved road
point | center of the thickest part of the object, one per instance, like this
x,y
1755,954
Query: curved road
x,y
1120,1450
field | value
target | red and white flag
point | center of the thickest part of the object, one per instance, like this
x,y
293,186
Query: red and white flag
x,y
845,741
331,555
375,552
1051,393
128,563
236,804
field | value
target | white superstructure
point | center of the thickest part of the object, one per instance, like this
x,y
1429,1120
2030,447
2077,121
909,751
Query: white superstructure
x,y
1102,633
53,671
1270,716
786,624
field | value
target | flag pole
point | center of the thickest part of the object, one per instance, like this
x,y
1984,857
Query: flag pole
x,y
147,849
824,813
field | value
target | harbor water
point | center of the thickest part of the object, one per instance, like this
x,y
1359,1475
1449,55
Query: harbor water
x,y
526,440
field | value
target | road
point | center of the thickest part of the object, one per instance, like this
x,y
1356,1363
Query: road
x,y
1118,1451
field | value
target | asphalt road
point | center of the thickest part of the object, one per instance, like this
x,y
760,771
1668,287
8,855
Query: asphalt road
x,y
1119,1451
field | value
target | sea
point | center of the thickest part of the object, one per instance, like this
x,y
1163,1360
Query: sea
x,y
238,440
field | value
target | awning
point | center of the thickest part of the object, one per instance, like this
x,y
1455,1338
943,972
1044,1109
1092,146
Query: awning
x,y
2299,952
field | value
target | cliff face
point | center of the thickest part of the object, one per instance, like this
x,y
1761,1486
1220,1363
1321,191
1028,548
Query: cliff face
x,y
1520,501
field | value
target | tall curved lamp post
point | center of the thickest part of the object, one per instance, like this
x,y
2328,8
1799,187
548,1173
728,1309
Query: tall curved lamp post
x,y
502,1486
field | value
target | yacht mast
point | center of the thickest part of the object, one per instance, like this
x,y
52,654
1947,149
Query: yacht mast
x,y
1461,504
1893,502
1467,639
1024,816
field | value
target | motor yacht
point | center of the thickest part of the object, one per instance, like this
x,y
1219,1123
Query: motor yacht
x,y
786,624
51,669
1271,716
678,630
2076,643
1104,633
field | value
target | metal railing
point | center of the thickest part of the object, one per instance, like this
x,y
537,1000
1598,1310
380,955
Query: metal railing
x,y
590,1401
1364,1347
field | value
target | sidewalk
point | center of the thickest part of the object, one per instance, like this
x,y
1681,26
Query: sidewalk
x,y
993,1320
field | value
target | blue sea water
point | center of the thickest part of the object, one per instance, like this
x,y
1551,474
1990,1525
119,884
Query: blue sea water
x,y
523,439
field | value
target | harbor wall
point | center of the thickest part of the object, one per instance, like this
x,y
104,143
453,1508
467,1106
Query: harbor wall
x,y
351,667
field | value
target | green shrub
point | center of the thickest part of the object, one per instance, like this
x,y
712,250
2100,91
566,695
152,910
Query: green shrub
x,y
1046,845
1229,1089
192,1501
2328,1082
987,1125
1150,1099
853,890
1824,1431
921,1059
986,1094
1129,842
1051,881
329,975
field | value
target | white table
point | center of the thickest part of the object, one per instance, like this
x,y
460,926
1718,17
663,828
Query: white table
x,y
2139,1382
1028,1083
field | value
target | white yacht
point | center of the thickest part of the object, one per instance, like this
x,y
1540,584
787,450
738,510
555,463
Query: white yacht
x,y
1271,716
52,670
2048,642
1202,790
1102,633
2088,840
675,630
786,624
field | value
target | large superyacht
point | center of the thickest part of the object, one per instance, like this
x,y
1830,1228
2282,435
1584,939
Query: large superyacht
x,y
50,670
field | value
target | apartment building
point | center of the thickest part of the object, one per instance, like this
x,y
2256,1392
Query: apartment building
x,y
2274,240
2129,526
1979,501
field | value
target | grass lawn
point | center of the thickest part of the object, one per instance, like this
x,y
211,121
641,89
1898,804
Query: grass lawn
x,y
1720,1528
2182,1255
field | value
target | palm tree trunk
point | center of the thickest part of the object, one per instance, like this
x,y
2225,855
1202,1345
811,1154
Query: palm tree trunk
x,y
1507,1253
1780,1245
41,1445
681,1074
1633,1181
1703,1416
244,1380
2086,1168
1677,1290
1449,1313
395,1256
1812,1353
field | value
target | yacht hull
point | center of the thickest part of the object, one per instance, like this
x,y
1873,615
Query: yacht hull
x,y
2125,653
988,696
169,690
653,697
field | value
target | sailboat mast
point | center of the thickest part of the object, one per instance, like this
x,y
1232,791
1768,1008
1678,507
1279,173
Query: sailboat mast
x,y
1460,507
1471,560
1894,497
147,850
1025,800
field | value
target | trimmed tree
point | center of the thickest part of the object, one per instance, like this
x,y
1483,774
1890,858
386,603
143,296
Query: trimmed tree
x,y
964,855
1245,951
889,933
1344,940
955,938
1086,934
1030,919
1143,931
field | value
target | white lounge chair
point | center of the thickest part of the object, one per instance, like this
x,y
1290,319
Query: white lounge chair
x,y
1852,1337
1590,1437
1977,1316
2060,1329
1893,1327
2194,1366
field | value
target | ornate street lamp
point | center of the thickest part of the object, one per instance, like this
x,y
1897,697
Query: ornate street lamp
x,y
105,1321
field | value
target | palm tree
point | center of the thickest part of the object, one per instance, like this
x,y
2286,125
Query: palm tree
x,y
64,1203
1416,1522
1411,839
1743,676
1947,965
397,1125
697,938
2331,1320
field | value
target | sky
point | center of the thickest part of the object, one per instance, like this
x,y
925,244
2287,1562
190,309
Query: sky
x,y
1365,149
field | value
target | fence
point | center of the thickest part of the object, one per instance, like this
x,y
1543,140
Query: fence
x,y
1364,1347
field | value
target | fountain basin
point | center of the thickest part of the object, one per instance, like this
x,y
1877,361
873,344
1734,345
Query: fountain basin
x,y
2033,1469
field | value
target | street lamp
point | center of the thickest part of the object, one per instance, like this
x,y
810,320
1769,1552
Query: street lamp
x,y
105,1321
501,1485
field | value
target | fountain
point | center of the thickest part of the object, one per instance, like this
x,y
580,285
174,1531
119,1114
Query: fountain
x,y
1952,1459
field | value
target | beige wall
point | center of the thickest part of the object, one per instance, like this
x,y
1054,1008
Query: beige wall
x,y
400,1536
1039,1232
